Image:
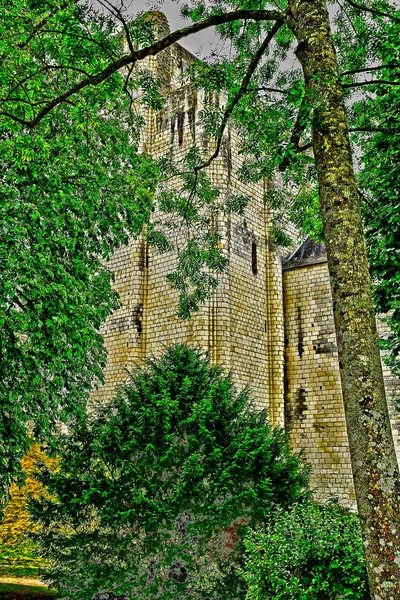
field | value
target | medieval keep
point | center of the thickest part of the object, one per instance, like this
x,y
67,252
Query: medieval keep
x,y
270,321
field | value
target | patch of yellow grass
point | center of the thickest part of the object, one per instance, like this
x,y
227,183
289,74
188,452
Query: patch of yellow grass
x,y
22,581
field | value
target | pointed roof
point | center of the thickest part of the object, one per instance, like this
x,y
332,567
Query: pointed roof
x,y
308,253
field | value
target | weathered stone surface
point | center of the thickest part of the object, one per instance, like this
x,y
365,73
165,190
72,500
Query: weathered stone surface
x,y
273,329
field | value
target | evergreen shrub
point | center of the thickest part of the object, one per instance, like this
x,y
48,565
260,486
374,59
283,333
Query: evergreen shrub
x,y
155,490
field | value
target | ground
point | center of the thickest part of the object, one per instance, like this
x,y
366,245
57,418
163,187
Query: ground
x,y
22,588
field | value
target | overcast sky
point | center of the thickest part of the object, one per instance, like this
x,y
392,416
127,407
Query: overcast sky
x,y
199,44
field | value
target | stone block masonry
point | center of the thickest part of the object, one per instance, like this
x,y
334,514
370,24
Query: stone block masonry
x,y
272,328
314,411
241,325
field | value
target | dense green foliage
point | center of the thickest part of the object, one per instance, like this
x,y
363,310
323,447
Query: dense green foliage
x,y
309,552
380,184
155,489
72,189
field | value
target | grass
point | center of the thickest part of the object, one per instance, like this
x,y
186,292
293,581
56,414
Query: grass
x,y
24,589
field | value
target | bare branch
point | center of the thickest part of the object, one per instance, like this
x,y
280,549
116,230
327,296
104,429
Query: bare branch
x,y
348,17
242,91
371,82
118,13
153,50
228,112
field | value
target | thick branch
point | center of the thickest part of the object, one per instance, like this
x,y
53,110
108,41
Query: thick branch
x,y
242,91
153,50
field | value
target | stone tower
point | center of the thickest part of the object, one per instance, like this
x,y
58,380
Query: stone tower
x,y
269,322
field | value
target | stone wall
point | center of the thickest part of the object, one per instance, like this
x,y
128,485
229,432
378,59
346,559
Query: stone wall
x,y
274,331
241,325
314,412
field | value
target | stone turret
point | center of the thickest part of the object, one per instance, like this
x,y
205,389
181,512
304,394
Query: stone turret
x,y
272,326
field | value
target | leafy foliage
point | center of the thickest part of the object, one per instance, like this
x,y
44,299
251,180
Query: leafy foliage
x,y
154,489
73,189
378,110
61,92
18,555
184,223
310,551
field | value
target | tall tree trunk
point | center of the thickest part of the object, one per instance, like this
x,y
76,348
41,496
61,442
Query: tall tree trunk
x,y
373,458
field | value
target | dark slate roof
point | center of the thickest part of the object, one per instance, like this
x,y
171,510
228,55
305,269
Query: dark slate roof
x,y
308,253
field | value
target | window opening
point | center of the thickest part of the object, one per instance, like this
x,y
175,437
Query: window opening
x,y
254,258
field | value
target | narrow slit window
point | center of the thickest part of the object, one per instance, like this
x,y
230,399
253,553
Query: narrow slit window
x,y
254,258
181,120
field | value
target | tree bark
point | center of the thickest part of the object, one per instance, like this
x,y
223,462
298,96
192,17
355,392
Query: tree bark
x,y
373,458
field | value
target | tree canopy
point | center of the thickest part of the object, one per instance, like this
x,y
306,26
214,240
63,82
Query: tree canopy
x,y
73,189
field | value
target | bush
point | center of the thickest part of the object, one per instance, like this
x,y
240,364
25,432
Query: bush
x,y
154,491
309,552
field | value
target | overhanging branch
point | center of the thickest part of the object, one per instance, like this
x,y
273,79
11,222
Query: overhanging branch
x,y
153,50
268,89
241,92
229,109
374,11
366,69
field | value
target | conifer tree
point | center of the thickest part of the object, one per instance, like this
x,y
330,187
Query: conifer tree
x,y
153,491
